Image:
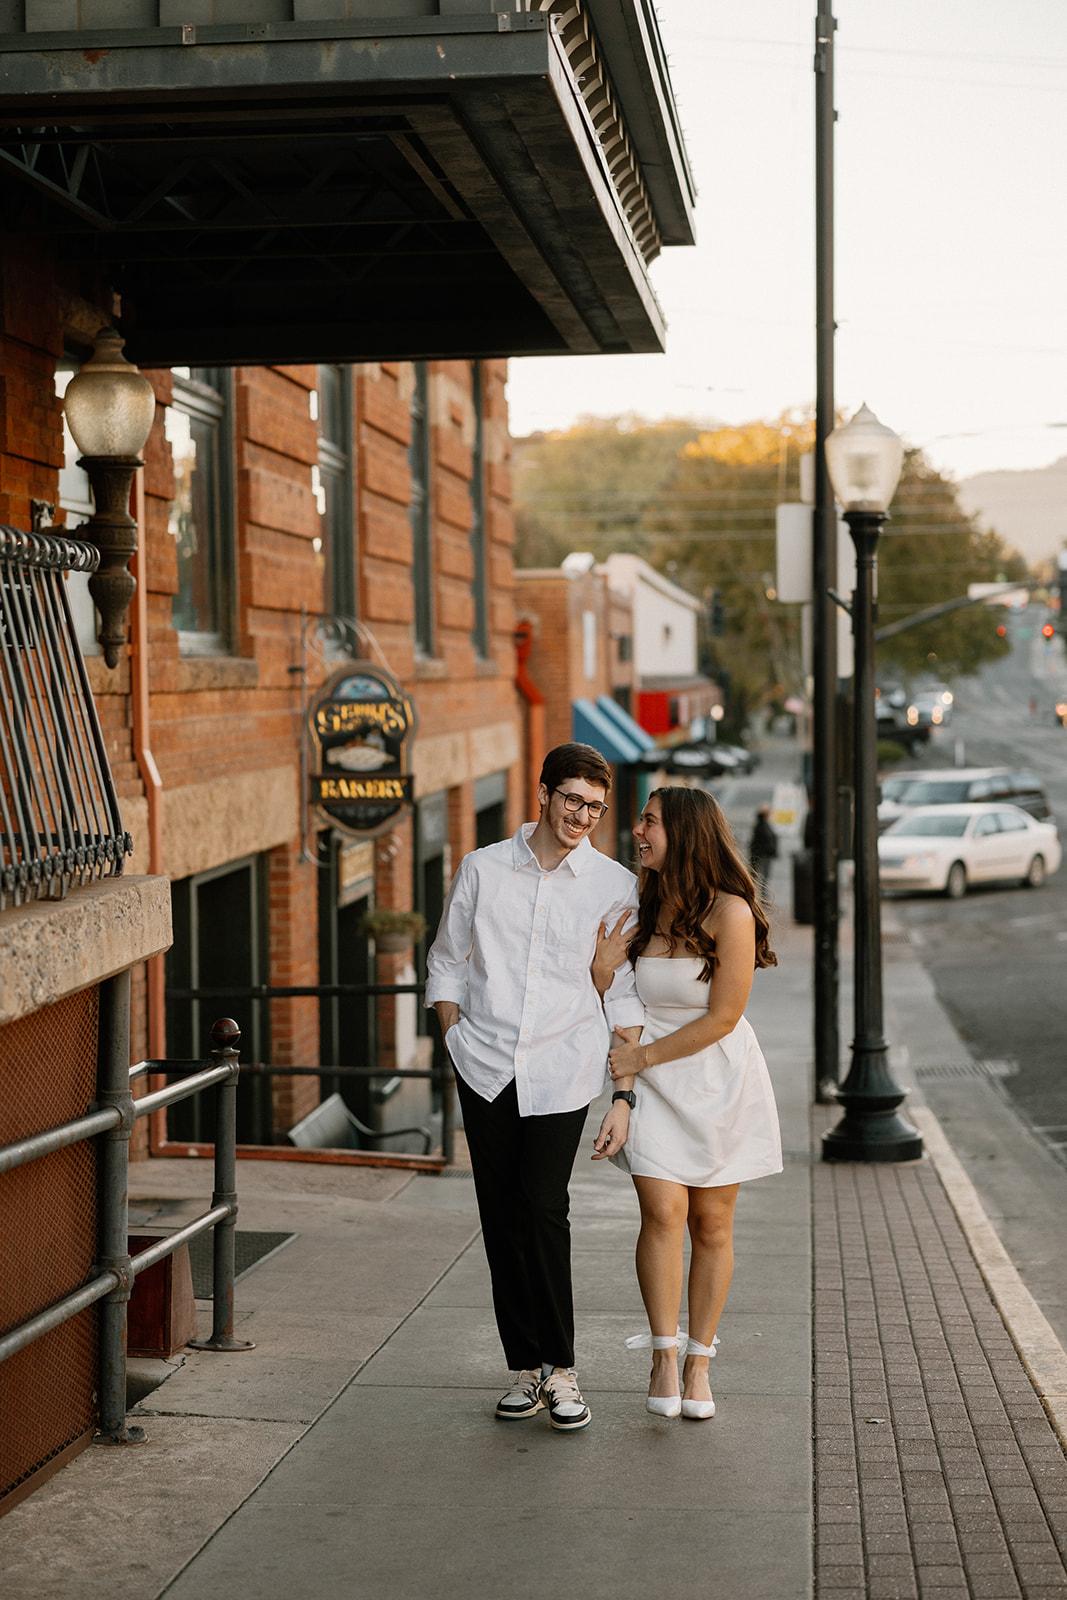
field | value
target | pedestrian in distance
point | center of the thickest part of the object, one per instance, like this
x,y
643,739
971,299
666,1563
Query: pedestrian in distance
x,y
704,1118
762,846
510,977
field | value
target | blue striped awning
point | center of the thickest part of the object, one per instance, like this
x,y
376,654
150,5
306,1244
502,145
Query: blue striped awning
x,y
625,723
590,725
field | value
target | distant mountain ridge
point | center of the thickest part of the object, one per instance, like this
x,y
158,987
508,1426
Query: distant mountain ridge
x,y
1028,509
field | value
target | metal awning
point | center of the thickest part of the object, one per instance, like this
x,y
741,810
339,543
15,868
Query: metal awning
x,y
477,184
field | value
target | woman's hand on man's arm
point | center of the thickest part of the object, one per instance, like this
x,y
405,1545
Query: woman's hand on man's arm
x,y
612,950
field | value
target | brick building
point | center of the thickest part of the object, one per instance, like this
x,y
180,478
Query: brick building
x,y
669,693
580,658
293,515
320,232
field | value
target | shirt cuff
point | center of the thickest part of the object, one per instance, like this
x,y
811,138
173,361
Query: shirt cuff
x,y
628,1013
441,989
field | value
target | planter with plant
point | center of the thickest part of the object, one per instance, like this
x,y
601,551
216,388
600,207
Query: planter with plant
x,y
393,932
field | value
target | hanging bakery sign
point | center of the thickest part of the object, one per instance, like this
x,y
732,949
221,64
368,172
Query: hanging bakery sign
x,y
360,726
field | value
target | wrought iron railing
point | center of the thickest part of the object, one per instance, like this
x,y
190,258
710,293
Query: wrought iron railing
x,y
59,814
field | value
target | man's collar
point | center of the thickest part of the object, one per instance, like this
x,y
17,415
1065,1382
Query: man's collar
x,y
521,855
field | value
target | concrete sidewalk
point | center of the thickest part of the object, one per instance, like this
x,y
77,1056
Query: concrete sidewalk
x,y
354,1452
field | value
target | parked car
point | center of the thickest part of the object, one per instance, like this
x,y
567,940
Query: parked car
x,y
891,722
930,708
959,785
747,760
893,788
700,760
946,848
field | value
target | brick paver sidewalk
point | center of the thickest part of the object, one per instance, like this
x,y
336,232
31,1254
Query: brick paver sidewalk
x,y
938,1473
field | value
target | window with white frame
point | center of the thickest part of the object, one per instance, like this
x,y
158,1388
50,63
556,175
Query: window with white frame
x,y
332,480
199,428
419,458
479,551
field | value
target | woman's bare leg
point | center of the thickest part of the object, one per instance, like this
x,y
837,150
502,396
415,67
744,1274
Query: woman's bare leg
x,y
711,1232
664,1207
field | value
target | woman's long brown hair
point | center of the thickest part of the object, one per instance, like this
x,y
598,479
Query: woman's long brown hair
x,y
702,862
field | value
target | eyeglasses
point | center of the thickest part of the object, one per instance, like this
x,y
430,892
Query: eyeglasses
x,y
574,803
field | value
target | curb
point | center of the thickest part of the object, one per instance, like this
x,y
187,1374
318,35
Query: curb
x,y
1039,1349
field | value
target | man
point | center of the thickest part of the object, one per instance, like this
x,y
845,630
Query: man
x,y
509,977
762,847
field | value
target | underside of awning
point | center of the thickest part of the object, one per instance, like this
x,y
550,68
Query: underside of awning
x,y
431,187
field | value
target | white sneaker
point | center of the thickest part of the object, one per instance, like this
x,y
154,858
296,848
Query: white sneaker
x,y
566,1408
523,1399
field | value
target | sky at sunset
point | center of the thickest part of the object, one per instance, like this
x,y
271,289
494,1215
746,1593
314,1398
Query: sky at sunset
x,y
951,248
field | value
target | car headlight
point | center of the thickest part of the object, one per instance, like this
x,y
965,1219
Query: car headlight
x,y
936,714
913,715
919,863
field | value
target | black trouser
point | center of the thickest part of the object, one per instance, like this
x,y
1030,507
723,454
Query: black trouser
x,y
522,1166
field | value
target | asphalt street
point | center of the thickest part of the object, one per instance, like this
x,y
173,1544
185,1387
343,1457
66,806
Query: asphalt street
x,y
995,960
998,957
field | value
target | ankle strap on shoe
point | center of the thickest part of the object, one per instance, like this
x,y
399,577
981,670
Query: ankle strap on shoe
x,y
654,1341
695,1348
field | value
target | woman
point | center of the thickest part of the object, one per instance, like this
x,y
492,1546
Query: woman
x,y
703,1118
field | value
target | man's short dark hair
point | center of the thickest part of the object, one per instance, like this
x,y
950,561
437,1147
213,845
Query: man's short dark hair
x,y
575,761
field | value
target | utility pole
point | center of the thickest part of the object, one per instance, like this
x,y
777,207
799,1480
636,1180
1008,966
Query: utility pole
x,y
824,578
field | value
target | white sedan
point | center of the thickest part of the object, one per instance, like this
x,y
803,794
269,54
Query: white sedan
x,y
948,847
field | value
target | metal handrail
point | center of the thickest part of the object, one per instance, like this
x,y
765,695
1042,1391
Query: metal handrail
x,y
440,1078
116,1270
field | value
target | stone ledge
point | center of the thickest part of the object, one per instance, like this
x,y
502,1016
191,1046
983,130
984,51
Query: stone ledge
x,y
52,948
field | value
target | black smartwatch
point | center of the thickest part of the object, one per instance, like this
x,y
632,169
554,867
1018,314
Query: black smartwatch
x,y
625,1094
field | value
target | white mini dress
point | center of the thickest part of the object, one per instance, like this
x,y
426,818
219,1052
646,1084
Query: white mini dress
x,y
705,1120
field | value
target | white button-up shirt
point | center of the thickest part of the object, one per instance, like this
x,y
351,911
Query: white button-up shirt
x,y
514,949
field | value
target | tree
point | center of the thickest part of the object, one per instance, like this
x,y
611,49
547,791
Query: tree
x,y
931,550
719,508
714,532
589,487
700,506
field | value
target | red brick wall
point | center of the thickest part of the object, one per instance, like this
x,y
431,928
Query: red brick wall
x,y
31,341
211,720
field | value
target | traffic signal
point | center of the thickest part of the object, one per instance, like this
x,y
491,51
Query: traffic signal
x,y
1048,630
1001,631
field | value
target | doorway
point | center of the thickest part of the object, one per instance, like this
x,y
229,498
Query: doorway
x,y
220,939
347,1022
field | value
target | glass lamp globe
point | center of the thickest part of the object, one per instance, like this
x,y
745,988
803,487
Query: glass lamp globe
x,y
864,458
110,406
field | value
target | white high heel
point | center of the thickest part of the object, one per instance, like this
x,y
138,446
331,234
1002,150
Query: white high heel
x,y
699,1410
659,1405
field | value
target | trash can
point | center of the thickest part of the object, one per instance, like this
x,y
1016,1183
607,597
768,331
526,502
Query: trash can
x,y
803,888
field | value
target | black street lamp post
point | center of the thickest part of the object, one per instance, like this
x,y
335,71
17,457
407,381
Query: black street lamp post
x,y
864,460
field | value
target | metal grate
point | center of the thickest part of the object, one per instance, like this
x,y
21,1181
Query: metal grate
x,y
59,815
968,1069
250,1250
48,1243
